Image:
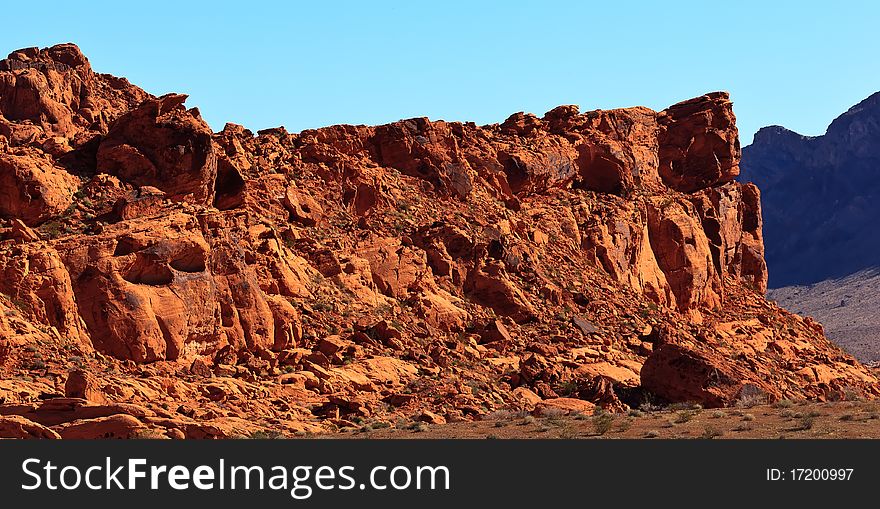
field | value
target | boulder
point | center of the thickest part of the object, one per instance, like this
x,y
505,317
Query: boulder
x,y
16,426
84,385
563,406
120,426
491,287
679,374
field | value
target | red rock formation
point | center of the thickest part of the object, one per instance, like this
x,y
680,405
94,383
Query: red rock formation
x,y
15,426
443,268
699,146
164,145
53,92
33,189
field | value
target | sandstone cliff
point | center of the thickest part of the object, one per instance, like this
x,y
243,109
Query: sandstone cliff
x,y
161,278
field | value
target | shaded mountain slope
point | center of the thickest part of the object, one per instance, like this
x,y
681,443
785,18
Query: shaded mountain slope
x,y
820,196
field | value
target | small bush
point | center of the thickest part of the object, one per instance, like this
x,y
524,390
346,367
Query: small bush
x,y
624,425
37,364
418,427
717,414
687,405
529,419
748,417
602,422
783,403
568,388
265,434
710,432
652,434
648,405
148,434
505,416
568,433
805,422
852,394
684,416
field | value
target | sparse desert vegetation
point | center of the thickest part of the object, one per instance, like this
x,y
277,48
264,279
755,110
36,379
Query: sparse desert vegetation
x,y
784,419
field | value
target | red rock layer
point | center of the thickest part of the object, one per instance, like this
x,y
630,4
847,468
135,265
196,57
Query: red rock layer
x,y
209,284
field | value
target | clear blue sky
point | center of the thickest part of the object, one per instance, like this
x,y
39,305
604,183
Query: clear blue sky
x,y
311,64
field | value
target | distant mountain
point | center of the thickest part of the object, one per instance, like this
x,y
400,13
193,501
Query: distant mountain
x,y
820,197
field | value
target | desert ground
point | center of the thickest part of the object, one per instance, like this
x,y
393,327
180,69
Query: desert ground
x,y
785,419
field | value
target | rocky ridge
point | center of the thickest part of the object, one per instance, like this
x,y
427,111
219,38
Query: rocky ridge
x,y
163,280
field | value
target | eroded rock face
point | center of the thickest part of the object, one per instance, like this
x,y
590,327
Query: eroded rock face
x,y
681,248
699,145
182,285
731,218
53,92
164,145
33,189
35,278
421,268
424,149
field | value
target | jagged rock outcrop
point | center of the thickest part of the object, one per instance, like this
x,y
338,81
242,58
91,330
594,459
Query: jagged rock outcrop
x,y
699,145
53,92
424,268
164,145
